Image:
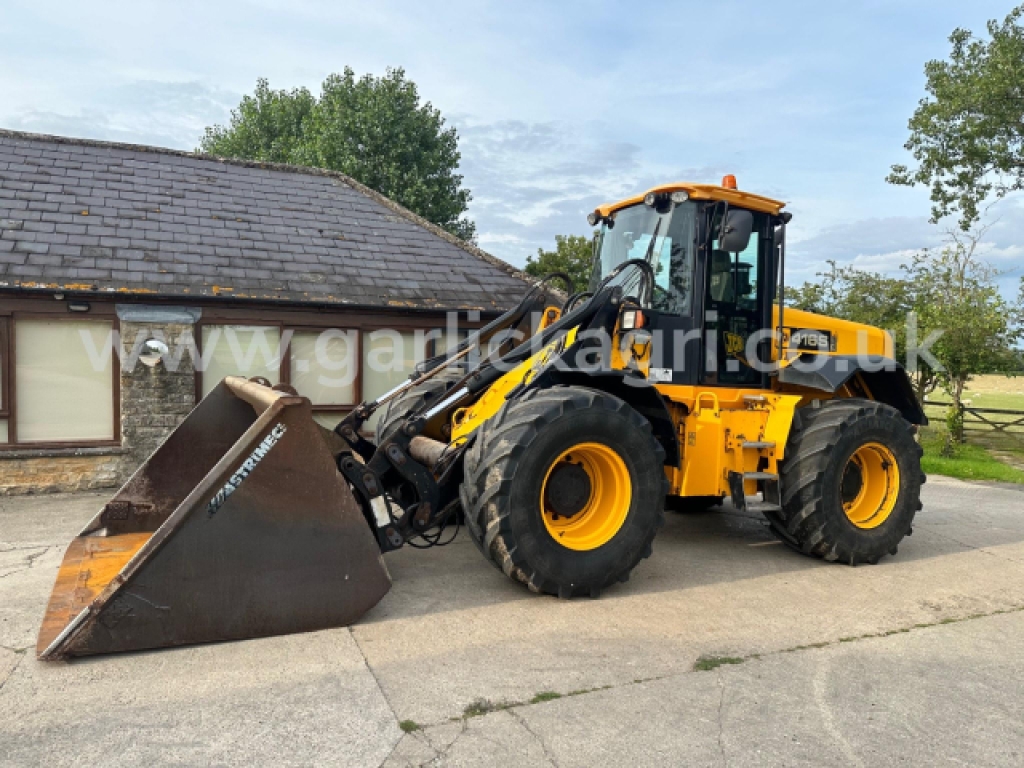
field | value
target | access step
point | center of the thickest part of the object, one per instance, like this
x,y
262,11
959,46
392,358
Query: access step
x,y
772,497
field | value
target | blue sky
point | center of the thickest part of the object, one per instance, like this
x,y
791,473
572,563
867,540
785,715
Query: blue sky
x,y
559,105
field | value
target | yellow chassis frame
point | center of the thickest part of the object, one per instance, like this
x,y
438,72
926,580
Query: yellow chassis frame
x,y
720,429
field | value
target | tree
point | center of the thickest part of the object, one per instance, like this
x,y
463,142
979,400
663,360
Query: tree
x,y
267,126
373,129
958,293
948,292
967,135
573,254
871,298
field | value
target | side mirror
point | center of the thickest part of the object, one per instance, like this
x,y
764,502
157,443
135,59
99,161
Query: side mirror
x,y
735,234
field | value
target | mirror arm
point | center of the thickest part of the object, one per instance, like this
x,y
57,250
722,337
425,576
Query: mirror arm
x,y
710,235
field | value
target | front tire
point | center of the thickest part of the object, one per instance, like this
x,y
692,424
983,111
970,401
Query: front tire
x,y
564,490
851,481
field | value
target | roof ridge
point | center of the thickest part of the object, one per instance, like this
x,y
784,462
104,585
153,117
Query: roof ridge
x,y
307,170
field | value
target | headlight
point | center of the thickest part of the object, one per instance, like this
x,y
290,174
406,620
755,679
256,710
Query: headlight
x,y
631,320
679,196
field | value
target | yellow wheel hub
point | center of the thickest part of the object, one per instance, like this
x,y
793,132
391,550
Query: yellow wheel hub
x,y
585,496
870,485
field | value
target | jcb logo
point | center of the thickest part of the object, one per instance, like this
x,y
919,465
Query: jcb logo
x,y
733,344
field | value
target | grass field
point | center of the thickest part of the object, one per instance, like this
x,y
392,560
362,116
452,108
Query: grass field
x,y
988,455
971,462
991,392
993,384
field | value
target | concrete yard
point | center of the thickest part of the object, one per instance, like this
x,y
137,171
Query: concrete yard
x,y
915,661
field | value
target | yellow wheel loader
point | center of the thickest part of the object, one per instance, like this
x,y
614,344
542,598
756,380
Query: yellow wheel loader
x,y
556,433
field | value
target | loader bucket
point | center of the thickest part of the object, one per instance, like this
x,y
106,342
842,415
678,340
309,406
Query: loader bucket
x,y
238,526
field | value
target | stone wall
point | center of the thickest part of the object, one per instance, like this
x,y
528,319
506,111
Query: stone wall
x,y
153,402
59,471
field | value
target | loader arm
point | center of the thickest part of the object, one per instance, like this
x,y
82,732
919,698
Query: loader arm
x,y
392,476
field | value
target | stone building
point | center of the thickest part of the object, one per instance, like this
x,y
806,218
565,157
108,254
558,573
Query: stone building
x,y
240,265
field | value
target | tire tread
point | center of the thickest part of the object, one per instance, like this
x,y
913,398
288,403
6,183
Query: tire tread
x,y
490,463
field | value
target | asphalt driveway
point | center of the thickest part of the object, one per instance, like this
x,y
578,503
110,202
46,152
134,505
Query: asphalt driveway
x,y
724,648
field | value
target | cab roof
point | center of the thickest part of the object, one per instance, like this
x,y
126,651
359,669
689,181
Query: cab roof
x,y
701,192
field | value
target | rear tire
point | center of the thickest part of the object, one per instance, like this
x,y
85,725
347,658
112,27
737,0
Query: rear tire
x,y
505,491
851,481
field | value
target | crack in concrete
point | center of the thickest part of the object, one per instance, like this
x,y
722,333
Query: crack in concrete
x,y
721,720
376,680
827,718
392,750
21,658
405,761
882,634
440,754
30,560
4,547
522,721
424,739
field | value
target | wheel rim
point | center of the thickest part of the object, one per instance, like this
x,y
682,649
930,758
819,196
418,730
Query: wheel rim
x,y
585,496
870,484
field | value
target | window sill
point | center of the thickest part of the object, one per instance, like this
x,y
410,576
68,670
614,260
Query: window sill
x,y
42,452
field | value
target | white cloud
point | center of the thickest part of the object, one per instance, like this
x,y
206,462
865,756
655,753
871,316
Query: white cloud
x,y
532,181
884,244
559,107
166,114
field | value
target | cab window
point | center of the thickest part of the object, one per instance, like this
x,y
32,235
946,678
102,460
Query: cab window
x,y
628,235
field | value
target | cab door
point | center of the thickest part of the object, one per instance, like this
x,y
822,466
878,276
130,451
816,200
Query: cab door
x,y
737,291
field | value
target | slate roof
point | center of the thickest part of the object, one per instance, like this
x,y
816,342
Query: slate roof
x,y
85,216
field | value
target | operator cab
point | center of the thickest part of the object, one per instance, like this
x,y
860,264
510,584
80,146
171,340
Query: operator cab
x,y
712,250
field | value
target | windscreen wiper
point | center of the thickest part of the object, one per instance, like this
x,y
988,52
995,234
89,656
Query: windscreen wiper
x,y
650,250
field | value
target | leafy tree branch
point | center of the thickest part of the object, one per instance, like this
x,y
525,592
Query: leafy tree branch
x,y
967,134
373,129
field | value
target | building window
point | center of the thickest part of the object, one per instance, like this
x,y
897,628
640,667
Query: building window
x,y
239,350
323,366
388,359
63,381
443,342
335,369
